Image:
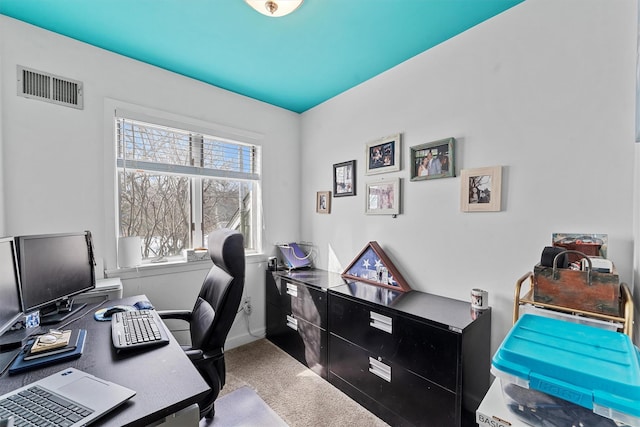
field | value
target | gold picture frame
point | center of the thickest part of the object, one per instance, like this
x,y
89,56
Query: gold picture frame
x,y
323,202
481,189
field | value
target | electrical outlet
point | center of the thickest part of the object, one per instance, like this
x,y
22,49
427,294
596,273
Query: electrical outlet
x,y
246,305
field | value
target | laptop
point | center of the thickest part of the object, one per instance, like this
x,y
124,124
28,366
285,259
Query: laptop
x,y
293,257
84,396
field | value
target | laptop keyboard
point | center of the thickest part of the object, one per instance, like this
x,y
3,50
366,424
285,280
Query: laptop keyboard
x,y
36,406
135,329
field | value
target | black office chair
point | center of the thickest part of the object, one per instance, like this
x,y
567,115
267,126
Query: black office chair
x,y
214,312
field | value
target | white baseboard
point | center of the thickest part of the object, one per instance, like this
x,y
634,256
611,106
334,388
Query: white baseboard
x,y
244,338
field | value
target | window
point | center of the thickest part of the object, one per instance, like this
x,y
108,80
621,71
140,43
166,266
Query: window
x,y
176,186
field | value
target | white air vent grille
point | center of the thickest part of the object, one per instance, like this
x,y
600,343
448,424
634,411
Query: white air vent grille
x,y
47,87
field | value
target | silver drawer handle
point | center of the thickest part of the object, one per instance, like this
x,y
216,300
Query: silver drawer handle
x,y
292,290
381,322
292,322
379,369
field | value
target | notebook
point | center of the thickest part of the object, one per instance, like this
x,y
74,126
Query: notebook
x,y
90,397
21,365
293,256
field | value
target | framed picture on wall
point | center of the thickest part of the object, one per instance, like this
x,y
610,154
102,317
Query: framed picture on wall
x,y
344,179
383,197
481,189
433,160
383,155
323,202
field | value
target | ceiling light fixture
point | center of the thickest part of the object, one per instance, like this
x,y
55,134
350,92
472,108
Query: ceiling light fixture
x,y
274,8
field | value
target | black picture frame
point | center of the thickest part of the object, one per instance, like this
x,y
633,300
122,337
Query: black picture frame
x,y
344,179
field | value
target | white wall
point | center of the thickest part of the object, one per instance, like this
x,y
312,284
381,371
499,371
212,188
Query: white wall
x,y
2,182
546,90
58,169
636,234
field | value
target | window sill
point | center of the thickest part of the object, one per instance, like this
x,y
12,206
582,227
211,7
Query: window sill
x,y
148,269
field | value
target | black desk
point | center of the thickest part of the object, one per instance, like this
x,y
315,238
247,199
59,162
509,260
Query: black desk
x,y
164,378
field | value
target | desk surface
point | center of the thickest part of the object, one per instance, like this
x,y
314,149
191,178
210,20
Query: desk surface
x,y
164,378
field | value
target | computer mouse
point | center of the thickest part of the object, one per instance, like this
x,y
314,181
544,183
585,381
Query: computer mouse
x,y
115,309
48,339
143,305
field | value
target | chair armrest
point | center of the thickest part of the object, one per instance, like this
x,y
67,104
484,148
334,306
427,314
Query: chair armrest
x,y
175,314
204,359
214,354
194,354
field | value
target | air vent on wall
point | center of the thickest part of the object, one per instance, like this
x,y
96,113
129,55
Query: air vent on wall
x,y
50,88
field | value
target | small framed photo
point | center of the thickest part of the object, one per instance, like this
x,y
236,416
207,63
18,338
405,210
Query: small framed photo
x,y
481,189
344,179
433,160
323,202
383,155
383,197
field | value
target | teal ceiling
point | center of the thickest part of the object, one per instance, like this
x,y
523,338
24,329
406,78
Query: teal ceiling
x,y
295,62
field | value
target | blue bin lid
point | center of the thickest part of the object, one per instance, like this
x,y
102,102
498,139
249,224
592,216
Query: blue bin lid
x,y
579,363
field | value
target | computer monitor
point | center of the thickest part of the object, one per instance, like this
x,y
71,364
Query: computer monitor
x,y
54,268
10,301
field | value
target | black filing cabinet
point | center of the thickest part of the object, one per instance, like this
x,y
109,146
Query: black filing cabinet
x,y
297,314
411,358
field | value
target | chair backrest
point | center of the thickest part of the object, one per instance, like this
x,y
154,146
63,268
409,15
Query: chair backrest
x,y
221,292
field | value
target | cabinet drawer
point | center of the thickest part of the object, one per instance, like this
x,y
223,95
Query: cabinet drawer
x,y
303,341
414,398
305,302
272,288
274,316
427,350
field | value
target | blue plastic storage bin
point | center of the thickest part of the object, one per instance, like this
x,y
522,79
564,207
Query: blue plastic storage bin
x,y
548,366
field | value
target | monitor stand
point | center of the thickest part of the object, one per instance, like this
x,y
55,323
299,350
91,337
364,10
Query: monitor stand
x,y
60,313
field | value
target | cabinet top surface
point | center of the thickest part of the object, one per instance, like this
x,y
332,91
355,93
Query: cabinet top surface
x,y
319,278
446,311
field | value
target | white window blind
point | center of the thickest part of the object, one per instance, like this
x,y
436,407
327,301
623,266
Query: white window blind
x,y
158,148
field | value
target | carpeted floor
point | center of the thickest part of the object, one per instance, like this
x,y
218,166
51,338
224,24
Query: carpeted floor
x,y
299,396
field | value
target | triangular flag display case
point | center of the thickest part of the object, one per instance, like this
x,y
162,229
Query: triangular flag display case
x,y
373,266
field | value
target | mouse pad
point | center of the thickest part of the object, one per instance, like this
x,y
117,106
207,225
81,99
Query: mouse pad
x,y
99,315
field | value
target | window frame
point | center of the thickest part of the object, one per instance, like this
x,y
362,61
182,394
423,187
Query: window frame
x,y
205,130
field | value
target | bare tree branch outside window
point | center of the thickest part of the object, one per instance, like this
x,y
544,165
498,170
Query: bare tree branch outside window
x,y
157,182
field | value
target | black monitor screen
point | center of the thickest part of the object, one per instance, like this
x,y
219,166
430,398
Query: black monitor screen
x,y
10,308
54,267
